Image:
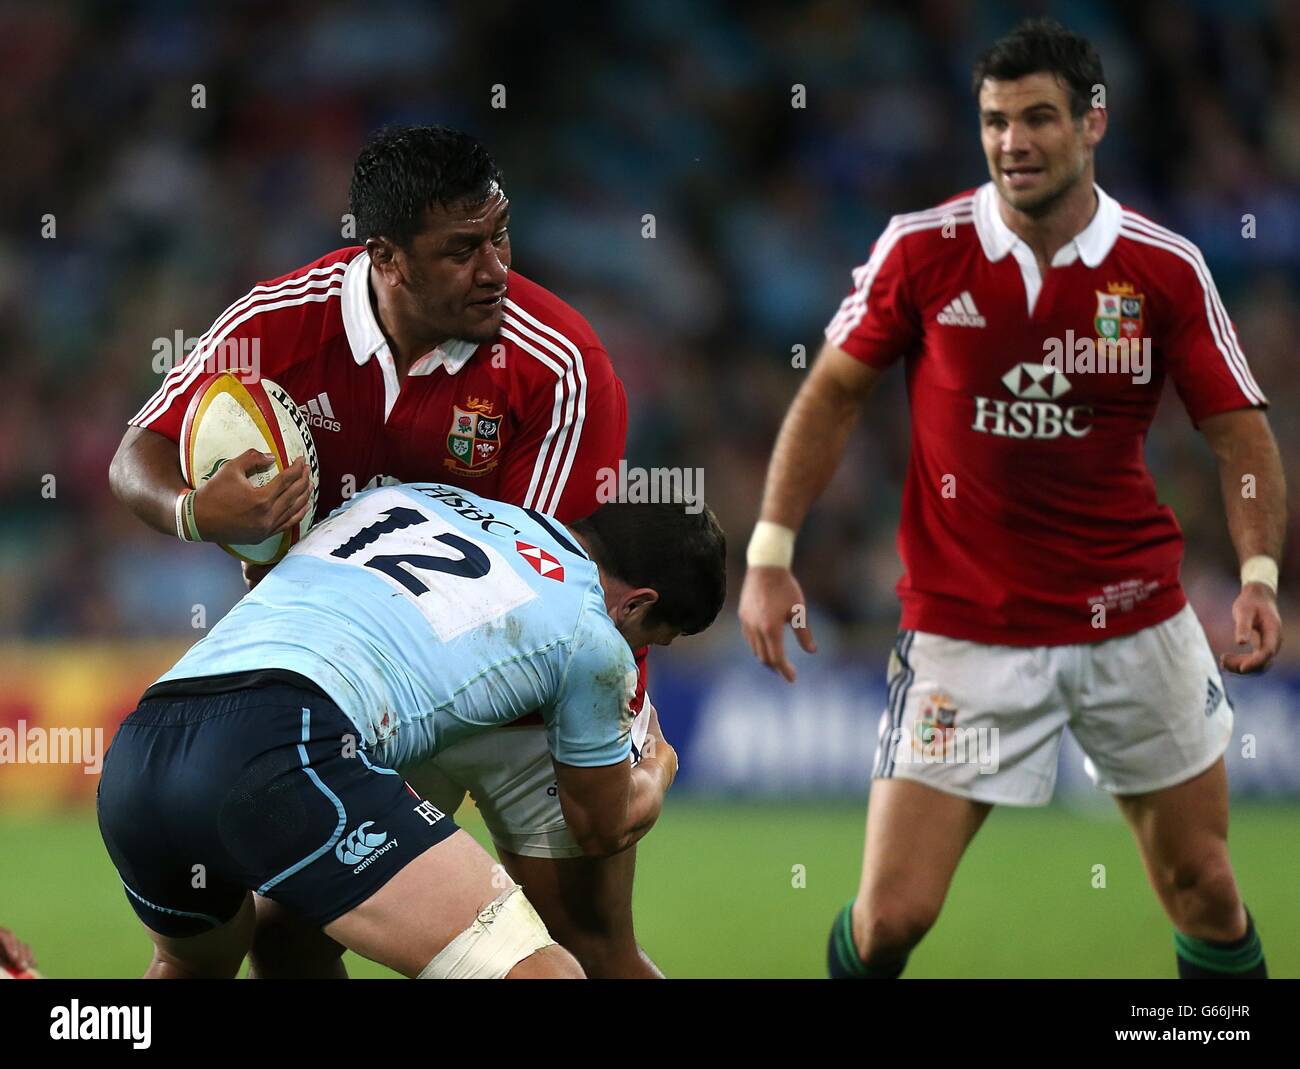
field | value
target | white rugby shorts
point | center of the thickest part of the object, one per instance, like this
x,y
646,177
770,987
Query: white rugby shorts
x,y
509,774
1149,710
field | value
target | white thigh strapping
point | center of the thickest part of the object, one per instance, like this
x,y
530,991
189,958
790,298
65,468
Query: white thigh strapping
x,y
501,936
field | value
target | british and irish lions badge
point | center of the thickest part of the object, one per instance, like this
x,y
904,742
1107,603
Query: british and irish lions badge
x,y
1119,313
474,441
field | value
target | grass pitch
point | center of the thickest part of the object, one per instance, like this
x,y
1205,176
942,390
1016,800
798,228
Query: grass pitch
x,y
739,890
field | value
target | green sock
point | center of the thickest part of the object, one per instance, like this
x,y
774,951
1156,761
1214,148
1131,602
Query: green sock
x,y
1205,959
842,961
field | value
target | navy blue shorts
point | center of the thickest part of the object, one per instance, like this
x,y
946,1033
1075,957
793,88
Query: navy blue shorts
x,y
205,798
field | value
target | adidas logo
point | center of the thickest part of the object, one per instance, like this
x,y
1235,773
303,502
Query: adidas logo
x,y
319,413
961,312
1212,697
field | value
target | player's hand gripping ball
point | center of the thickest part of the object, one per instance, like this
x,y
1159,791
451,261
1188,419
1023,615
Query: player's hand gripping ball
x,y
225,418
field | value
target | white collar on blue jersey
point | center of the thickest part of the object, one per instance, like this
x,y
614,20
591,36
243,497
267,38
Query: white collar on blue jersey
x,y
1092,244
366,338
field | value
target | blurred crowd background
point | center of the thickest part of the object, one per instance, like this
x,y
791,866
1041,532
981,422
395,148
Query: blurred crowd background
x,y
165,213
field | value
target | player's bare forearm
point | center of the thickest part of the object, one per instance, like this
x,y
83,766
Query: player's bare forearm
x,y
609,809
808,450
1254,497
145,476
1252,480
813,435
651,779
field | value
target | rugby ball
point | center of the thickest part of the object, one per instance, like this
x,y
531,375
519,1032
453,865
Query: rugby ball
x,y
227,416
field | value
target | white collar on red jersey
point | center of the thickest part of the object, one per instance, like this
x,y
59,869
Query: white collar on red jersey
x,y
366,338
1092,244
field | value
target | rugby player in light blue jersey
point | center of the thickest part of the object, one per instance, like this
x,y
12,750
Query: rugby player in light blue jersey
x,y
268,759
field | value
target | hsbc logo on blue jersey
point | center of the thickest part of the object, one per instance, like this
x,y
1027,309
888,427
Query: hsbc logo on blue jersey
x,y
1035,413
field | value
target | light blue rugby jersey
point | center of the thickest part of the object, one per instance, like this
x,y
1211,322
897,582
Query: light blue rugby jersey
x,y
427,614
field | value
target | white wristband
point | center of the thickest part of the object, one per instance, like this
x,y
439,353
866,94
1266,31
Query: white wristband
x,y
771,545
1260,569
186,529
180,518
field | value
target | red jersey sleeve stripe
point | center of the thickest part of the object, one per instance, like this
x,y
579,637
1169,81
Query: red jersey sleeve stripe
x,y
547,481
550,450
197,368
1147,233
183,373
561,345
853,308
182,368
1225,335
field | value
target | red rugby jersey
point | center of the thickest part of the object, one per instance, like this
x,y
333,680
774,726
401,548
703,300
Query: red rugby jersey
x,y
529,418
1028,502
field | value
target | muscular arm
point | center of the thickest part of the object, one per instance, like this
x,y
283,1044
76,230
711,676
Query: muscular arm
x,y
609,809
813,435
146,477
1244,446
1256,508
808,450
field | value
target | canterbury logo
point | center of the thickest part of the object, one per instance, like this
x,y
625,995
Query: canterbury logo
x,y
320,413
961,312
359,844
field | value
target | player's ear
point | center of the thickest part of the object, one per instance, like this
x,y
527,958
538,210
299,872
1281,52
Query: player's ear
x,y
635,606
383,255
1094,125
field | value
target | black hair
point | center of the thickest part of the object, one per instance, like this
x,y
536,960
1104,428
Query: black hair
x,y
403,170
1042,45
680,555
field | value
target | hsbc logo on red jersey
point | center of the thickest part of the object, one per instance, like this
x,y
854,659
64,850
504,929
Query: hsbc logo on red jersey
x,y
1035,413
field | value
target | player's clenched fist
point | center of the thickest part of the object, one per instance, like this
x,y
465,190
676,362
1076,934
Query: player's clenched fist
x,y
770,599
230,509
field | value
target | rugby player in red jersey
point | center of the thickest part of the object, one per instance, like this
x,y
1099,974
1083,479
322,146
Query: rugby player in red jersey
x,y
421,356
1041,586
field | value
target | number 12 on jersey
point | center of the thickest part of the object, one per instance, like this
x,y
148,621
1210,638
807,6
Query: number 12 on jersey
x,y
458,582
